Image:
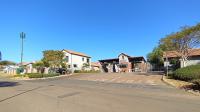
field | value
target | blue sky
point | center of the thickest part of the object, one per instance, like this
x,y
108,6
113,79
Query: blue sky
x,y
99,28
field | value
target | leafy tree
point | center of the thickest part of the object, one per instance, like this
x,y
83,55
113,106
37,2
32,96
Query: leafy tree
x,y
53,58
5,63
182,41
167,44
39,66
156,57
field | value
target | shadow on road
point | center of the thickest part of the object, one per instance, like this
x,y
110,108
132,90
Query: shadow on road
x,y
8,84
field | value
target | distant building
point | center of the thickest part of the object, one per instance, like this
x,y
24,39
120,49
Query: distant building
x,y
124,63
96,66
76,60
193,57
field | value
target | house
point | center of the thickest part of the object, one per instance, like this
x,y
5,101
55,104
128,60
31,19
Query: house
x,y
10,69
96,66
124,63
76,60
28,67
193,57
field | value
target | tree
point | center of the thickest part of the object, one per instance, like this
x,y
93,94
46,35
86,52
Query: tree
x,y
182,41
167,44
5,63
85,65
39,66
53,58
156,57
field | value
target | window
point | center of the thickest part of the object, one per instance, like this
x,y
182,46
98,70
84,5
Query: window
x,y
75,65
123,66
67,58
83,59
122,57
88,60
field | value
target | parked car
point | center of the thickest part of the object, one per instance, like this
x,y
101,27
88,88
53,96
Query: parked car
x,y
61,71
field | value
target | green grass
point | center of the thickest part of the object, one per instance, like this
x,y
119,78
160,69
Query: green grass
x,y
38,75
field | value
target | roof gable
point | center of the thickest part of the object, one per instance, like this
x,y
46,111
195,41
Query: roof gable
x,y
76,53
124,55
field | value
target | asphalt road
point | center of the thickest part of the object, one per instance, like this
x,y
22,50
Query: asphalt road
x,y
70,95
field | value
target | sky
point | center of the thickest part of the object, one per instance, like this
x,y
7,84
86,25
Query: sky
x,y
100,28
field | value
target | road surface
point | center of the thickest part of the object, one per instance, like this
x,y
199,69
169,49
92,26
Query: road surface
x,y
72,95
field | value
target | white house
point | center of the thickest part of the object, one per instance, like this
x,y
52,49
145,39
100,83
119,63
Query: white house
x,y
77,60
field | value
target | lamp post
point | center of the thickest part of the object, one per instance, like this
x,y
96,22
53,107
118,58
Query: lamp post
x,y
22,37
167,64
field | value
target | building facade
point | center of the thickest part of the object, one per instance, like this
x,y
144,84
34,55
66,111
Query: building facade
x,y
96,66
193,58
77,60
124,63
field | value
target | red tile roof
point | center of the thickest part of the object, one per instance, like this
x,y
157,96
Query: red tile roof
x,y
95,64
76,53
175,54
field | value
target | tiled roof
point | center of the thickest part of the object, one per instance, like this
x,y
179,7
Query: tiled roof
x,y
76,53
117,59
137,58
109,60
174,54
124,54
95,64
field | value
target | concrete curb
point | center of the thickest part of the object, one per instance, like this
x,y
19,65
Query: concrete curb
x,y
173,85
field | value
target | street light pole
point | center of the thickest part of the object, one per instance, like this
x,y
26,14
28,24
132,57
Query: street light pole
x,y
167,64
22,37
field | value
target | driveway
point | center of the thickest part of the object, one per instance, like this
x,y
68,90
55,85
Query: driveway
x,y
70,94
130,78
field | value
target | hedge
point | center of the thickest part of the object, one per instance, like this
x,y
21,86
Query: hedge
x,y
187,73
38,75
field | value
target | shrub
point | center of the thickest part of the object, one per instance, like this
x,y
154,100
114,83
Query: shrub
x,y
38,75
20,70
50,75
19,75
35,75
187,73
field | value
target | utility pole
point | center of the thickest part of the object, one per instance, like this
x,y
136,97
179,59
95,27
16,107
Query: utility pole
x,y
167,64
22,37
0,56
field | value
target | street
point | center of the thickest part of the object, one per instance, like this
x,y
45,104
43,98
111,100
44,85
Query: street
x,y
69,94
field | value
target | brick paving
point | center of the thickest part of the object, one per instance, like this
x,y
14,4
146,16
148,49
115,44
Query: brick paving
x,y
137,78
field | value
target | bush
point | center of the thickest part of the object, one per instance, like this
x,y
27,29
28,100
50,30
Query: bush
x,y
38,75
19,75
50,75
34,75
187,73
20,70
